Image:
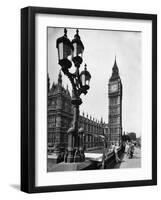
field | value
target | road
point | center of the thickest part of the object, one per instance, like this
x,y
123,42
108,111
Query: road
x,y
135,162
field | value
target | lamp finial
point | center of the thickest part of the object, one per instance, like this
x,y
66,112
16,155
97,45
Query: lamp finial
x,y
65,32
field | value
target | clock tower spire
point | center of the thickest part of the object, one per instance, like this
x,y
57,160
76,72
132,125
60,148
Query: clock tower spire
x,y
115,105
115,71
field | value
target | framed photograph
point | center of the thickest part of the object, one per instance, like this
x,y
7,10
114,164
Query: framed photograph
x,y
88,99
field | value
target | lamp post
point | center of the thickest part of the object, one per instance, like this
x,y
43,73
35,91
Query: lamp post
x,y
68,52
104,141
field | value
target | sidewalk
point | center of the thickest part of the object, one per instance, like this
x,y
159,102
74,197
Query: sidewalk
x,y
135,162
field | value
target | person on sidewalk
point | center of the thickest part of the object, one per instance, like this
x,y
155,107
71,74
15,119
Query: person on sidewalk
x,y
116,153
131,150
112,147
126,148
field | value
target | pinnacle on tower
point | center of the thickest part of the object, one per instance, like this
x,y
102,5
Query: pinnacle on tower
x,y
60,78
48,82
115,67
101,120
67,90
115,71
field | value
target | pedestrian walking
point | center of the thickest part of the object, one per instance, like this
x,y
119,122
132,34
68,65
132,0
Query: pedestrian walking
x,y
112,147
127,148
116,153
131,152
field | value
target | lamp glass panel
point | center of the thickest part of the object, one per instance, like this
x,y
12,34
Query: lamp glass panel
x,y
60,51
75,49
88,82
67,51
83,79
79,50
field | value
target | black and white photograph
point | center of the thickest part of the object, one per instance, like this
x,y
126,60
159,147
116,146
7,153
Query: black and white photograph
x,y
89,99
94,99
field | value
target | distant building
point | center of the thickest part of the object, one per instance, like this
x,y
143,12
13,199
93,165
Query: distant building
x,y
138,140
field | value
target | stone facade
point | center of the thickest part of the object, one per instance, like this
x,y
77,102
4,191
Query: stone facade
x,y
60,115
92,129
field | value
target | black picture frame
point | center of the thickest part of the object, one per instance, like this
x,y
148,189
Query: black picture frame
x,y
28,98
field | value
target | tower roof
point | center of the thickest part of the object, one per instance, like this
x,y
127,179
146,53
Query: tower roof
x,y
115,67
115,71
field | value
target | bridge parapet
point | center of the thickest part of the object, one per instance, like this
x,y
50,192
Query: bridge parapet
x,y
110,159
104,161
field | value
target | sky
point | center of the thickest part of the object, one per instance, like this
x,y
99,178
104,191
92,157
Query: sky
x,y
101,47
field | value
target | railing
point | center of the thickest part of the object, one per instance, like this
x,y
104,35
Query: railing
x,y
110,159
108,162
105,163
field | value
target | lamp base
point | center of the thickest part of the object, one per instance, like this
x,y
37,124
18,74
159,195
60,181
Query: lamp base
x,y
65,63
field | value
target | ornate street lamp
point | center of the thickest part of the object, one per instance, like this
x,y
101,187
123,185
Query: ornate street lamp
x,y
78,49
85,79
65,50
68,52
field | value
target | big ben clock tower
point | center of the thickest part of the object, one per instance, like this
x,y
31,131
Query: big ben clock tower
x,y
115,105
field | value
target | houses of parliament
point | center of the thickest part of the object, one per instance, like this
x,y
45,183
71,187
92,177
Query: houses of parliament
x,y
60,115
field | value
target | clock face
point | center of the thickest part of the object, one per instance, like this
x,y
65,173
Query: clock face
x,y
114,87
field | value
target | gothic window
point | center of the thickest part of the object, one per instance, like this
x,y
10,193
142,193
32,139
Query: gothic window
x,y
114,101
118,120
115,120
84,127
53,120
66,106
118,100
112,130
92,128
114,111
54,103
86,138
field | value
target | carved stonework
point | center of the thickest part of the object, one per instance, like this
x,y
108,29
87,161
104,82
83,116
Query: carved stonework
x,y
60,116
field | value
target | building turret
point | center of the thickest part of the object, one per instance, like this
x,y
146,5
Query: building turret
x,y
48,89
60,78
